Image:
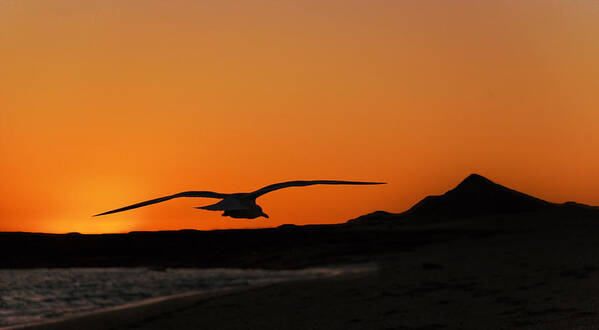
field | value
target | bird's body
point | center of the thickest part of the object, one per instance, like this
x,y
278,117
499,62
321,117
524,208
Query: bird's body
x,y
252,213
239,205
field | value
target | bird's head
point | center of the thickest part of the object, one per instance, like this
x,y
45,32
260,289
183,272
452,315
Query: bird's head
x,y
262,214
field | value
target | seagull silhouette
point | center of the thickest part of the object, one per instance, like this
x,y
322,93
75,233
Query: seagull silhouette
x,y
238,205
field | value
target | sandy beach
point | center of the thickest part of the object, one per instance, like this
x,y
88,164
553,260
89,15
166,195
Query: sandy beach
x,y
541,274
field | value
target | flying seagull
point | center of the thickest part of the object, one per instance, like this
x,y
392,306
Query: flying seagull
x,y
237,205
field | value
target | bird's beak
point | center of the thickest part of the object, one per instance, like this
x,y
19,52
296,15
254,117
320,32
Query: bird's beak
x,y
265,215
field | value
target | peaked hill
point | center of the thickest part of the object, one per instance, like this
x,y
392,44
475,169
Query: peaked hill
x,y
474,196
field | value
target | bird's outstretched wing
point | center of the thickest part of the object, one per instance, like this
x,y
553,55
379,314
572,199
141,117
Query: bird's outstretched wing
x,y
208,194
287,184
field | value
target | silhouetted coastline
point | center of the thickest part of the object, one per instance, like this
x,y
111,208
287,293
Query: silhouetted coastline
x,y
290,246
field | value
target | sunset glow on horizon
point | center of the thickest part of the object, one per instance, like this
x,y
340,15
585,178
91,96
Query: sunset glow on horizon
x,y
109,103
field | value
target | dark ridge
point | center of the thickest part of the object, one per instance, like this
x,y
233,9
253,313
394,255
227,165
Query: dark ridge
x,y
476,196
374,218
290,247
288,226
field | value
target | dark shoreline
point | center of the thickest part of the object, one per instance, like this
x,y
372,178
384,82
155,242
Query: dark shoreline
x,y
287,247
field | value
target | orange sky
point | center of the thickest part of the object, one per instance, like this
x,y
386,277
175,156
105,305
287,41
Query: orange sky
x,y
107,103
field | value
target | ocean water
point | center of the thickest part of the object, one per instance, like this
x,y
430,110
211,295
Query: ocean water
x,y
35,295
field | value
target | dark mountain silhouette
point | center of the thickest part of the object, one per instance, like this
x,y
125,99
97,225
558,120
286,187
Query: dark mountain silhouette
x,y
475,196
